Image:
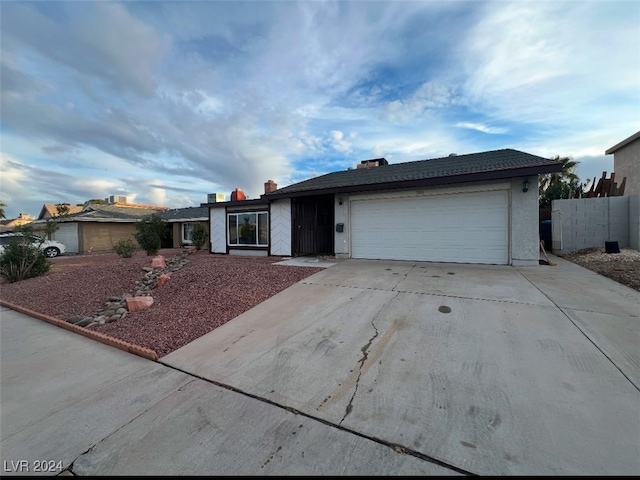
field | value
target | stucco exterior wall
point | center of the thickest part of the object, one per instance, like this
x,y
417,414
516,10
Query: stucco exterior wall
x,y
626,163
176,234
342,241
524,229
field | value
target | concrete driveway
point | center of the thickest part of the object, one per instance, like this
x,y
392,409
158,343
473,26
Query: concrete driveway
x,y
365,368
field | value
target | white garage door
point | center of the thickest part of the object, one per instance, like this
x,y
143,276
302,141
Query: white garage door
x,y
67,234
462,228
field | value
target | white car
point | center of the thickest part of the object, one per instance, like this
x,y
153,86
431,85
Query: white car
x,y
51,248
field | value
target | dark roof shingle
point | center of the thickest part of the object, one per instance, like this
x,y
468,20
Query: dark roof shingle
x,y
475,166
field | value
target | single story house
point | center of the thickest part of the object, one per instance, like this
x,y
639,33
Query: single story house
x,y
626,163
49,210
182,221
474,208
99,227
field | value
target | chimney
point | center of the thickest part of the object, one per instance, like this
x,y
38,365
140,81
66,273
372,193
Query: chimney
x,y
270,186
237,195
373,163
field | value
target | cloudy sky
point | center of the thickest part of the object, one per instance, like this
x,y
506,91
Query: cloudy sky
x,y
165,102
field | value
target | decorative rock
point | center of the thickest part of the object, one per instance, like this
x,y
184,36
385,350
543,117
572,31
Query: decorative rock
x,y
135,304
85,322
115,308
75,319
162,279
158,262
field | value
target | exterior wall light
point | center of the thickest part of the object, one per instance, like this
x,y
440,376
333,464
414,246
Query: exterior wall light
x,y
339,200
525,185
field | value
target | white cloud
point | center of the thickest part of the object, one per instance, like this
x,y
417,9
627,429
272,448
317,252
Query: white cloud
x,y
481,128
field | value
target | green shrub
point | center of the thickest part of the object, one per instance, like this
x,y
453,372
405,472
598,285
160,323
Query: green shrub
x,y
20,261
125,248
199,235
150,231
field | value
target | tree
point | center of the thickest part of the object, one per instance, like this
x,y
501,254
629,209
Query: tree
x,y
557,185
150,231
2,205
63,209
199,235
98,201
23,258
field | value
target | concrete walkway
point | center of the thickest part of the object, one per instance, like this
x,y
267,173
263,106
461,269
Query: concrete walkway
x,y
365,368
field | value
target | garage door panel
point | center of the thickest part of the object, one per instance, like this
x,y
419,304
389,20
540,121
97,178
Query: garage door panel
x,y
468,228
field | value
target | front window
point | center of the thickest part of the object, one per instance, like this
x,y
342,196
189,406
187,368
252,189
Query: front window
x,y
249,229
187,232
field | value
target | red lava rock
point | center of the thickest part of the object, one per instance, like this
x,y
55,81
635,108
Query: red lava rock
x,y
158,262
162,279
135,304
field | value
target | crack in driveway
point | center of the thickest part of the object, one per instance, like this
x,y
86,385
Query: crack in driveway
x,y
363,359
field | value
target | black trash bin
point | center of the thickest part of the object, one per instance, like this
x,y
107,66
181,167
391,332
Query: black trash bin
x,y
545,234
611,247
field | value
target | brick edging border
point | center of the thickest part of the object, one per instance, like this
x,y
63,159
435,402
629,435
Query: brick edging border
x,y
100,337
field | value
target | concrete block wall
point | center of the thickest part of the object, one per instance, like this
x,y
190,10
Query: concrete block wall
x,y
634,222
590,222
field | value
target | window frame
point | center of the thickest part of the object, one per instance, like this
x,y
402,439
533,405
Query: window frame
x,y
183,230
259,224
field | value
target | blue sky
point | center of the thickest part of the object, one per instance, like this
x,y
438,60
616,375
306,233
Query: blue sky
x,y
165,102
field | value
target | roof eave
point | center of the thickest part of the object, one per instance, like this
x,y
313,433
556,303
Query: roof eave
x,y
426,182
253,201
623,143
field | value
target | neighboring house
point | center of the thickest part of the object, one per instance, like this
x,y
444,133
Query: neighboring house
x,y
182,221
626,163
99,227
49,211
475,208
22,219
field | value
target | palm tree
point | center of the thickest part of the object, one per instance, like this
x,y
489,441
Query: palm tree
x,y
567,175
2,205
557,185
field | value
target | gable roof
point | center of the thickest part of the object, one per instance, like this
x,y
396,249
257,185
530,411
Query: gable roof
x,y
483,166
50,210
623,143
105,213
185,214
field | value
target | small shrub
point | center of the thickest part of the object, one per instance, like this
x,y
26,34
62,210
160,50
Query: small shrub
x,y
199,235
20,261
149,233
125,248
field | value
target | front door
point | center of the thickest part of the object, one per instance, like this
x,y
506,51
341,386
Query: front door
x,y
312,224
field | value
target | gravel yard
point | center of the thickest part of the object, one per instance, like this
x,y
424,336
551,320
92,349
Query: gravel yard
x,y
208,292
623,267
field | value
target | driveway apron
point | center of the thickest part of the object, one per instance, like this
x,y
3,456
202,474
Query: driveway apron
x,y
492,369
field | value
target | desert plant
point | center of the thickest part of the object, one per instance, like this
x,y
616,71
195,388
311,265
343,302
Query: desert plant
x,y
21,260
199,235
125,248
149,233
